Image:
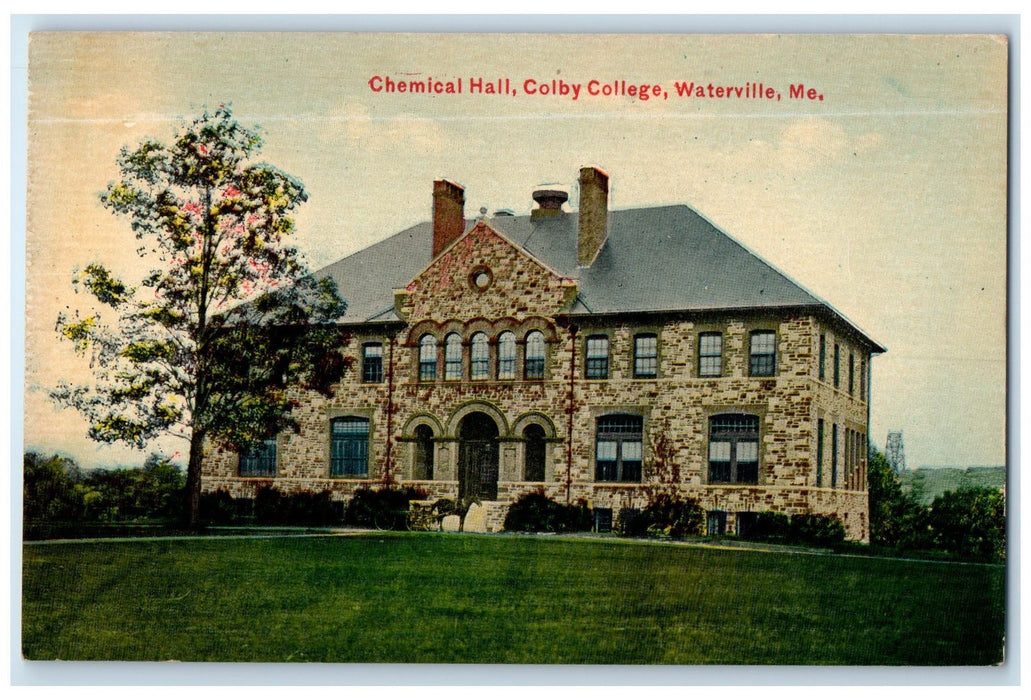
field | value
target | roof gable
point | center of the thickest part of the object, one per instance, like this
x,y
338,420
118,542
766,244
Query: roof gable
x,y
483,273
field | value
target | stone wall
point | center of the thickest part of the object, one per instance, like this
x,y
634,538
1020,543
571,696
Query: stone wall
x,y
675,406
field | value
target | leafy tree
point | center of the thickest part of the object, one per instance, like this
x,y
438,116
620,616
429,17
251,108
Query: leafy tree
x,y
971,522
896,519
207,344
49,488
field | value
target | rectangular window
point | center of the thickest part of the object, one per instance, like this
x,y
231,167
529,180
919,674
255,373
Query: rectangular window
x,y
597,357
763,354
349,447
619,446
372,362
734,449
834,456
260,460
851,373
710,354
646,355
716,523
819,452
823,357
837,366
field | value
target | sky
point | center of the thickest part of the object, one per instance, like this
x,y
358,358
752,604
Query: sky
x,y
884,195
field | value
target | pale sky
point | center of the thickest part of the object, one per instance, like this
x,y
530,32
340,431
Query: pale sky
x,y
887,198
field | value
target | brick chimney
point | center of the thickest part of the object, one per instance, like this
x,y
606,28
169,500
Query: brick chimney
x,y
594,215
448,214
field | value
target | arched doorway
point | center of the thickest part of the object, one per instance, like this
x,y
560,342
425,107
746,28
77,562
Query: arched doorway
x,y
478,457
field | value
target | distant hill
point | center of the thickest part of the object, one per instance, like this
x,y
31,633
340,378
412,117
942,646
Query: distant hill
x,y
926,483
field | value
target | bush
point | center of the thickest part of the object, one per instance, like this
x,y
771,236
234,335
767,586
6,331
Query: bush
x,y
535,512
970,522
665,516
219,508
385,508
273,507
817,530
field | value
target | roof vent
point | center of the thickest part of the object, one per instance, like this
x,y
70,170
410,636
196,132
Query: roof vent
x,y
549,202
504,212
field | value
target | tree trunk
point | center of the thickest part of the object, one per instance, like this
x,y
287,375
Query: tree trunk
x,y
193,479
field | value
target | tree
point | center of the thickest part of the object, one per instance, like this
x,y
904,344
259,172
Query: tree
x,y
896,519
207,344
971,521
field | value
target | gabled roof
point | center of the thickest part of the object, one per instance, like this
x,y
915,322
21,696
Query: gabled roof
x,y
655,259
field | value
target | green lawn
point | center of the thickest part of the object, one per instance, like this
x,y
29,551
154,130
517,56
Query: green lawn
x,y
421,597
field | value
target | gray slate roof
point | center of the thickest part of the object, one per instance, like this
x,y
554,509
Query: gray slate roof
x,y
666,258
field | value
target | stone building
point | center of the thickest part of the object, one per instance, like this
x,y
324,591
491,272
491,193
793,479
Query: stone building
x,y
595,354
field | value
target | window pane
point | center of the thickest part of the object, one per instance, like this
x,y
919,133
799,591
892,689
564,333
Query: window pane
x,y
763,354
747,451
534,356
349,450
710,354
719,451
631,450
606,450
428,358
453,357
506,355
260,460
645,356
479,367
372,362
598,357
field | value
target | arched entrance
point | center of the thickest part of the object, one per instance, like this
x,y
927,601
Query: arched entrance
x,y
478,457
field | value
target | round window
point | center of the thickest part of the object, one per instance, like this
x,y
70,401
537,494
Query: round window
x,y
481,277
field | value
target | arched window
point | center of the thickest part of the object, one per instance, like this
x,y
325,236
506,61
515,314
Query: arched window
x,y
535,453
506,355
427,358
619,448
534,365
260,460
453,357
479,365
734,449
349,446
423,453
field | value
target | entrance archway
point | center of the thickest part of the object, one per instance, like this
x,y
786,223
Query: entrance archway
x,y
478,457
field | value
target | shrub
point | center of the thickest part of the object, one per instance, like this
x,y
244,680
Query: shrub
x,y
817,530
273,507
385,508
770,527
666,516
535,512
970,522
219,508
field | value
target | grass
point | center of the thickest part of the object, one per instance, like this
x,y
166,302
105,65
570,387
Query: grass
x,y
421,597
